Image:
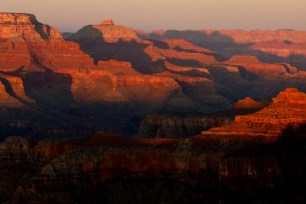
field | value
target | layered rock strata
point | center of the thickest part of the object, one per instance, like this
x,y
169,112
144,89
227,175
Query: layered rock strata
x,y
286,111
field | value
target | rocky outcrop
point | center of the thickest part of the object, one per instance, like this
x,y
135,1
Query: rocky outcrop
x,y
248,103
12,91
26,43
18,27
286,111
107,31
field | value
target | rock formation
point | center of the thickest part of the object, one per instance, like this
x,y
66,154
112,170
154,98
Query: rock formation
x,y
286,111
107,31
251,64
18,27
269,45
248,103
109,77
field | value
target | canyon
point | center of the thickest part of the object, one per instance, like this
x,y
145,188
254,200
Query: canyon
x,y
108,77
115,115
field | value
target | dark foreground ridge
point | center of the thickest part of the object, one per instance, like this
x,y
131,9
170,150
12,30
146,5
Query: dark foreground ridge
x,y
101,167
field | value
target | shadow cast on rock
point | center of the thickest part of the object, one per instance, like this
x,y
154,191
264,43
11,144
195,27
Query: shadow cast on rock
x,y
228,47
131,51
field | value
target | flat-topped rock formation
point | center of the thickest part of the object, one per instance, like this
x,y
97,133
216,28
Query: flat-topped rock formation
x,y
107,31
107,22
19,27
25,42
288,109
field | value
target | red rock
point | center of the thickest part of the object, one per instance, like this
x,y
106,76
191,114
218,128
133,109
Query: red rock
x,y
161,54
107,22
287,109
248,103
281,49
182,69
185,45
265,70
244,59
18,27
253,36
12,91
107,31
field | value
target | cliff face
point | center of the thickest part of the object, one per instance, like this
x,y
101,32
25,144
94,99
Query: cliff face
x,y
287,109
167,126
190,124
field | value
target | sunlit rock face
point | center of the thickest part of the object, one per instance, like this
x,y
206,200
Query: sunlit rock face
x,y
110,76
265,71
288,109
24,27
108,31
282,46
26,43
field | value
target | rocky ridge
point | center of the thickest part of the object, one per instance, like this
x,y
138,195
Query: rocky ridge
x,y
286,111
93,168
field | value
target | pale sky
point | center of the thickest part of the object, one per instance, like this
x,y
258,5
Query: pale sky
x,y
71,15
